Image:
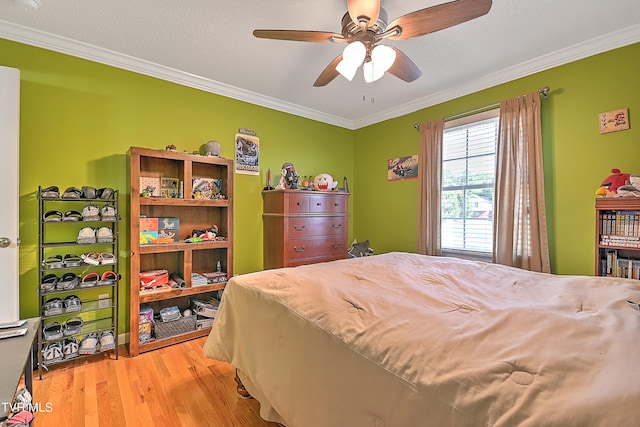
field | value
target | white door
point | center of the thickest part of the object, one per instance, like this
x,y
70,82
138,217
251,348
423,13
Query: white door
x,y
9,143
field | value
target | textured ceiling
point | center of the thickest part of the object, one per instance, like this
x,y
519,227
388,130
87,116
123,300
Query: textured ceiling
x,y
209,44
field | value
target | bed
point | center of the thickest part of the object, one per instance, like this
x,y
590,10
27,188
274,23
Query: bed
x,y
401,339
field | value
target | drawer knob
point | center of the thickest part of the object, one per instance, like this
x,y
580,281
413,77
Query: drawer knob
x,y
336,245
298,228
319,204
295,248
336,226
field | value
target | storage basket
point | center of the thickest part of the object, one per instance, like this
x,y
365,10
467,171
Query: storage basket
x,y
175,327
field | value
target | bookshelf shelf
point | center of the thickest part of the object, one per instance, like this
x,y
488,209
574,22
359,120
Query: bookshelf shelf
x,y
618,237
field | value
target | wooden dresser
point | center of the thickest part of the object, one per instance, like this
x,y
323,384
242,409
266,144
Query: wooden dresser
x,y
304,227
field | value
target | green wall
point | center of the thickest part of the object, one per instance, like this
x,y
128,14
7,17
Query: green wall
x,y
576,157
79,118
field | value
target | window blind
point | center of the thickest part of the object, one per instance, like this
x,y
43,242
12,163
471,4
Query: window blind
x,y
468,184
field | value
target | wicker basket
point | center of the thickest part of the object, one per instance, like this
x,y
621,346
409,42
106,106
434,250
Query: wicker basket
x,y
175,327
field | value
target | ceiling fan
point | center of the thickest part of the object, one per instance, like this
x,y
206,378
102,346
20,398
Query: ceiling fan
x,y
365,25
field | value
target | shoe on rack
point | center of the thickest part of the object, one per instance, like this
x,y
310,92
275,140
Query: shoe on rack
x,y
52,331
104,235
86,235
52,353
72,304
89,344
53,307
107,341
70,347
90,213
73,326
109,213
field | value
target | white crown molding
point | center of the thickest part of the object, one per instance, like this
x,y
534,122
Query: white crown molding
x,y
30,36
18,33
610,41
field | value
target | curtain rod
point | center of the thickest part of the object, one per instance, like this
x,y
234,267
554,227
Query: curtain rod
x,y
544,92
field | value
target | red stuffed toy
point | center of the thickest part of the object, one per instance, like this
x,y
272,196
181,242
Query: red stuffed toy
x,y
609,187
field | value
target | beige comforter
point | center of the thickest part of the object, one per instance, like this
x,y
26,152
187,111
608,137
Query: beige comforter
x,y
408,340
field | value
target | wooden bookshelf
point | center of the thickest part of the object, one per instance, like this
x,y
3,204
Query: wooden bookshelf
x,y
618,237
179,256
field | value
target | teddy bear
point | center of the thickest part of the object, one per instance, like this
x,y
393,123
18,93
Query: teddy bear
x,y
610,185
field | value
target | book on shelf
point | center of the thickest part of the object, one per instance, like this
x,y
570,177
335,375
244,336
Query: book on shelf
x,y
620,223
621,241
613,265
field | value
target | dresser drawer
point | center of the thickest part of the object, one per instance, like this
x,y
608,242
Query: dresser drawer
x,y
327,204
310,248
299,203
316,226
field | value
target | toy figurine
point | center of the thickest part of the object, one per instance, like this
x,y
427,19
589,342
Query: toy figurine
x,y
289,178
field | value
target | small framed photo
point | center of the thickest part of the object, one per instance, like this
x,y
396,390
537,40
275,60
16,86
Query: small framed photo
x,y
150,186
169,187
613,121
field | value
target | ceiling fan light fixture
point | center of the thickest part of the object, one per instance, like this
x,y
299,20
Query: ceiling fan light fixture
x,y
352,56
371,72
382,58
347,70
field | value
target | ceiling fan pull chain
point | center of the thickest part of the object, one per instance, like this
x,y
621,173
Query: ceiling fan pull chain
x,y
373,92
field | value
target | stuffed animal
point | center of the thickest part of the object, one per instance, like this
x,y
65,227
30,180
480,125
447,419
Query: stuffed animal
x,y
212,148
610,185
631,188
324,182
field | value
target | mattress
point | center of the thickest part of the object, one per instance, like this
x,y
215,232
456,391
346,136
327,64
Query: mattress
x,y
402,339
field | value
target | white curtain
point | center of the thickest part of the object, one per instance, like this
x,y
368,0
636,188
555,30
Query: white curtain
x,y
520,230
430,184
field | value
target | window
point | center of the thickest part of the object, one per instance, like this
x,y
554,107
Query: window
x,y
468,185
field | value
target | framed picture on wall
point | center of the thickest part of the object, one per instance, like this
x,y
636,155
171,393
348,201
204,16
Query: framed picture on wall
x,y
613,121
402,168
247,154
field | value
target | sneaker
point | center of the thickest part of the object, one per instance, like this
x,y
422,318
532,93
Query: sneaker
x,y
70,347
107,341
90,213
109,213
52,353
86,235
104,235
89,344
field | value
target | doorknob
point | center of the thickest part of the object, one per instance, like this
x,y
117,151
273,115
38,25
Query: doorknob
x,y
5,242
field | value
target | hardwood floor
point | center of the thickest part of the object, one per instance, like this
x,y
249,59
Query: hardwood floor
x,y
173,386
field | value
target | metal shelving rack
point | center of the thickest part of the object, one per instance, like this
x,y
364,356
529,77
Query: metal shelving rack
x,y
60,238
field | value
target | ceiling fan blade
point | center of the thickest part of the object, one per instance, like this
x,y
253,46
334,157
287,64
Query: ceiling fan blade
x,y
329,73
296,35
404,68
368,8
438,17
